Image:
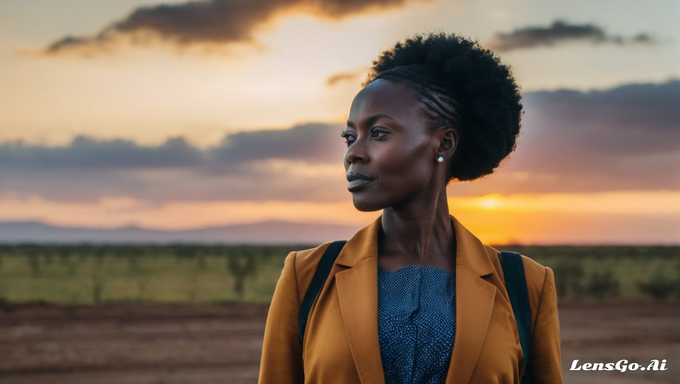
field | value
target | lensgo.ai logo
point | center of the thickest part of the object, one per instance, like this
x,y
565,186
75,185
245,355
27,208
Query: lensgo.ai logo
x,y
621,366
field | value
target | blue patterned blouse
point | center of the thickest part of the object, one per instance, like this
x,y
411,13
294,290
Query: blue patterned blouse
x,y
416,323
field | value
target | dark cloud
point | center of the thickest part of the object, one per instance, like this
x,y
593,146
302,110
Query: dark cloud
x,y
211,22
242,166
309,142
305,142
625,138
84,152
560,32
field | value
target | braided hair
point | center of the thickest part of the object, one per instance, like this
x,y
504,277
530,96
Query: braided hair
x,y
462,86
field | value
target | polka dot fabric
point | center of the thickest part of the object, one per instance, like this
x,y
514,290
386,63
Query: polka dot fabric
x,y
416,324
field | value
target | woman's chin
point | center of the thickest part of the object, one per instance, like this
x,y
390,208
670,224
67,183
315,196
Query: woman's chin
x,y
365,205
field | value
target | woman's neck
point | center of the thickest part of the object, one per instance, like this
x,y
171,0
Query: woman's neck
x,y
419,233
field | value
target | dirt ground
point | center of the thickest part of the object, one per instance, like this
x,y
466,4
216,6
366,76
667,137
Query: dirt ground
x,y
140,344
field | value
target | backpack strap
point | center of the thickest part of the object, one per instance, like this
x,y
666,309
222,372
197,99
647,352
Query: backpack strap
x,y
516,284
318,281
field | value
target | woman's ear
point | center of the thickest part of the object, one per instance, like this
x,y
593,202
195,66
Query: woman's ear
x,y
448,141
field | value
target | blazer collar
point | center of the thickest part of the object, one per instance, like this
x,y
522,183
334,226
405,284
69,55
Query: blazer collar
x,y
358,298
364,244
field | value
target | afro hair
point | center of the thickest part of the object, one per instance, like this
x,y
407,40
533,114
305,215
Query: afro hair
x,y
469,83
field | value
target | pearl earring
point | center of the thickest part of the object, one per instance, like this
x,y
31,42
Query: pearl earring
x,y
440,159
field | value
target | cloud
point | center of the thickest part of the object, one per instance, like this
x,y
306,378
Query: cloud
x,y
351,76
621,139
560,32
625,138
209,22
308,143
290,164
86,153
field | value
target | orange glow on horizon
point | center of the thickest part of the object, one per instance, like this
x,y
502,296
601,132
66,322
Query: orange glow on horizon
x,y
643,217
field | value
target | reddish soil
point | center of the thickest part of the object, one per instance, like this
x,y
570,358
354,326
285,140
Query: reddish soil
x,y
127,343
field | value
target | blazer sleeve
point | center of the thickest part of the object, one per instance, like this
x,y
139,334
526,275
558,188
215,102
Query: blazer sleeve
x,y
281,361
545,357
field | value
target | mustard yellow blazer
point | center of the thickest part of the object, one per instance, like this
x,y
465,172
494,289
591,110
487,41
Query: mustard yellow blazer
x,y
341,339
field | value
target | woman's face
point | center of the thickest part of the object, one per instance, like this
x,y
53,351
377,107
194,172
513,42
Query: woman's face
x,y
391,151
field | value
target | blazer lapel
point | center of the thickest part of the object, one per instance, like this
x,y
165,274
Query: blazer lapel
x,y
474,304
358,296
357,289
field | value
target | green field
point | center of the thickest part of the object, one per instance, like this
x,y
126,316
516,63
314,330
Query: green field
x,y
74,275
610,271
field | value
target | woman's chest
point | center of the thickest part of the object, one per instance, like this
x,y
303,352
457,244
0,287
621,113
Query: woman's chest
x,y
343,337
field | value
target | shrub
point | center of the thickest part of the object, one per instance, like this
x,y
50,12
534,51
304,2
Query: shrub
x,y
659,286
568,277
97,287
241,268
602,284
33,259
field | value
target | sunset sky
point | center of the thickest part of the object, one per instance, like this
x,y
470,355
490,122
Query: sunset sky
x,y
174,114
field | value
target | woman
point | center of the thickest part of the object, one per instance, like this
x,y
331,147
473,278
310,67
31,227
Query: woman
x,y
414,297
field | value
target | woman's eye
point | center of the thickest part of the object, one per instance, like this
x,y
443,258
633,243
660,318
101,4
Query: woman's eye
x,y
349,138
378,133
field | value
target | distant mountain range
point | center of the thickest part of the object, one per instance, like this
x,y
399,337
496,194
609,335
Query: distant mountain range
x,y
269,232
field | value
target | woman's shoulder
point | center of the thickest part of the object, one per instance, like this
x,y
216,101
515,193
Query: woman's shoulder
x,y
303,263
539,278
532,269
309,257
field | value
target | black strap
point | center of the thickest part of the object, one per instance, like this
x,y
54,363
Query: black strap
x,y
516,283
318,281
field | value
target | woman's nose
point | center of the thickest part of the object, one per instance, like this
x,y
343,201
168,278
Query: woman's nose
x,y
356,152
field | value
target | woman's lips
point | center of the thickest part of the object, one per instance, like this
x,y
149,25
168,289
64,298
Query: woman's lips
x,y
357,180
357,183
